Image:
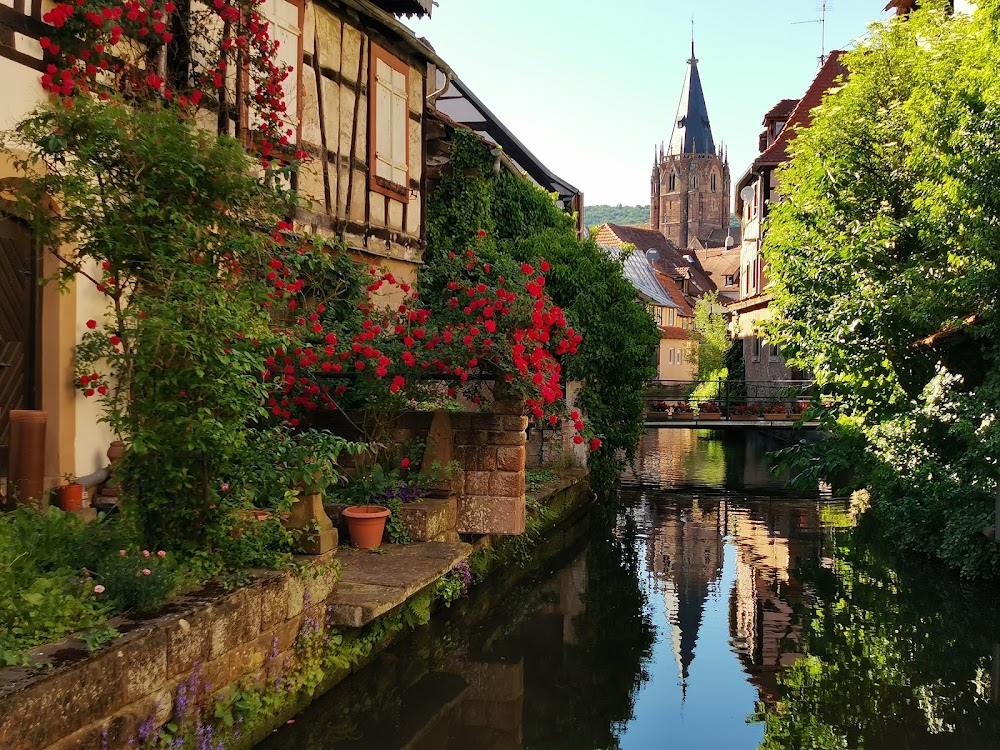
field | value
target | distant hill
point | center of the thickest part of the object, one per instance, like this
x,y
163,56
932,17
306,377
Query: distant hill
x,y
628,216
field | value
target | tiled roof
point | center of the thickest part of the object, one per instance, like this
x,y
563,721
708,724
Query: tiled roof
x,y
780,111
672,332
801,116
671,288
670,260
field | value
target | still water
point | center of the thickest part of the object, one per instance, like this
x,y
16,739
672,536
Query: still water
x,y
708,608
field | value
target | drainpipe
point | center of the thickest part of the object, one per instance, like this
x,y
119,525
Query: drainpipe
x,y
26,480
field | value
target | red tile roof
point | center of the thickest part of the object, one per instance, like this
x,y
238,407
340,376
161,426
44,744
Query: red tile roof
x,y
675,293
672,332
781,110
801,116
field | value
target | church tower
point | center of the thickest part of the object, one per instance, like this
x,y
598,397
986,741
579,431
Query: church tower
x,y
689,196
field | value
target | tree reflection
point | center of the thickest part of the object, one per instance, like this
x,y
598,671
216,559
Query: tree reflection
x,y
580,693
897,656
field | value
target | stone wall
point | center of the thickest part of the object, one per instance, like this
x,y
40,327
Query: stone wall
x,y
210,638
490,448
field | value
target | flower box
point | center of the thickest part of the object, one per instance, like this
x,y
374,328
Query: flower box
x,y
682,415
744,417
709,416
775,416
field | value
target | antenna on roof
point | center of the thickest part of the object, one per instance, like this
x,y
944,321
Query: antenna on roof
x,y
823,4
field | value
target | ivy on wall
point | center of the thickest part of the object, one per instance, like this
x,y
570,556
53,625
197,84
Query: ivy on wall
x,y
523,223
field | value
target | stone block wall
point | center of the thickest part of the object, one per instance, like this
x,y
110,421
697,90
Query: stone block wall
x,y
209,640
491,449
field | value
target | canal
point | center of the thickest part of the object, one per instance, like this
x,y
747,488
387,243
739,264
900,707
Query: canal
x,y
706,608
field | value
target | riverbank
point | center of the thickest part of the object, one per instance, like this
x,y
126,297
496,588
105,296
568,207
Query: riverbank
x,y
234,665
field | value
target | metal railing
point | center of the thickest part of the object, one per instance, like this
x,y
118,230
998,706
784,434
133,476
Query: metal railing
x,y
728,398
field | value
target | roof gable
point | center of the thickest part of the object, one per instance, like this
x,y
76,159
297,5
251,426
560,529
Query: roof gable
x,y
801,115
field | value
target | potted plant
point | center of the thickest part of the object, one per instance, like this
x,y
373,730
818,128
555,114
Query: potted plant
x,y
709,410
682,410
746,413
775,410
366,524
70,495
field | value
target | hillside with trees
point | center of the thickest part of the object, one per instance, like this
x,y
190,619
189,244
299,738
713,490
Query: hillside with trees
x,y
624,215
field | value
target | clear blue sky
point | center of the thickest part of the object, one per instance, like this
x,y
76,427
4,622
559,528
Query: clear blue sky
x,y
590,86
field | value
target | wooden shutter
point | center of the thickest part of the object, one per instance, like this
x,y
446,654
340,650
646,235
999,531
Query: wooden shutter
x,y
389,124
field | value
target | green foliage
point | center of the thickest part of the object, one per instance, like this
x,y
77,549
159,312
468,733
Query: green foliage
x,y
736,373
626,216
887,234
49,567
523,224
141,196
711,330
535,478
893,650
137,580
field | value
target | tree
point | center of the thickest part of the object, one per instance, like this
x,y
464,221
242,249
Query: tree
x,y
711,330
886,235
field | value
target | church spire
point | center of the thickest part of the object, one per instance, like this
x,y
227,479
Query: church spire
x,y
692,133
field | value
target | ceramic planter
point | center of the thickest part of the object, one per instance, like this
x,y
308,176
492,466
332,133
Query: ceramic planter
x,y
366,524
70,496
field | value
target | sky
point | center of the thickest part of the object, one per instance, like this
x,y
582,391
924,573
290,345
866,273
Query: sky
x,y
589,87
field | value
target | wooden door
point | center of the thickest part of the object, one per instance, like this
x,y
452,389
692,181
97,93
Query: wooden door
x,y
17,326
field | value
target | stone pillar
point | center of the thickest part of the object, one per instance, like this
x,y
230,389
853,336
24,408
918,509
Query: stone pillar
x,y
490,448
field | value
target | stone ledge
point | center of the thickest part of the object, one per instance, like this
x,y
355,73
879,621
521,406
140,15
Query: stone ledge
x,y
371,584
426,520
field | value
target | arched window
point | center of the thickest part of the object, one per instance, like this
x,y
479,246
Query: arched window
x,y
713,182
673,182
694,181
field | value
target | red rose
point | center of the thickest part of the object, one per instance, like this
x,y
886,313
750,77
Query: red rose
x,y
404,463
91,324
115,341
595,443
577,439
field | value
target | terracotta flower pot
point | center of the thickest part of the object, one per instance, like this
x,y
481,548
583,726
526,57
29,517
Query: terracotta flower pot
x,y
366,524
682,415
70,496
709,415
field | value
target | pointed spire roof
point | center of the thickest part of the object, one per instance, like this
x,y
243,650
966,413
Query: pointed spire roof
x,y
692,132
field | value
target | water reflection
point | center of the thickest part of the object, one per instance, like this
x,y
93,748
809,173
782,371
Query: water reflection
x,y
702,610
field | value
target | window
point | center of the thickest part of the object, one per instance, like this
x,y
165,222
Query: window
x,y
673,182
755,345
388,125
673,317
694,181
659,315
713,182
730,279
773,353
671,356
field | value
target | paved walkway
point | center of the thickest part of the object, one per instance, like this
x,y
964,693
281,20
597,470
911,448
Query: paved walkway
x,y
372,583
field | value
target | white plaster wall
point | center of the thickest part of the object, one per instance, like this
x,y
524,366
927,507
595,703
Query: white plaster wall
x,y
92,438
22,92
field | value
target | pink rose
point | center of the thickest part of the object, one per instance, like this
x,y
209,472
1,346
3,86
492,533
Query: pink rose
x,y
147,572
145,553
224,487
121,552
161,553
98,589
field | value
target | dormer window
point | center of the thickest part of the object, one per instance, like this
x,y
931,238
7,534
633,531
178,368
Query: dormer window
x,y
778,127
